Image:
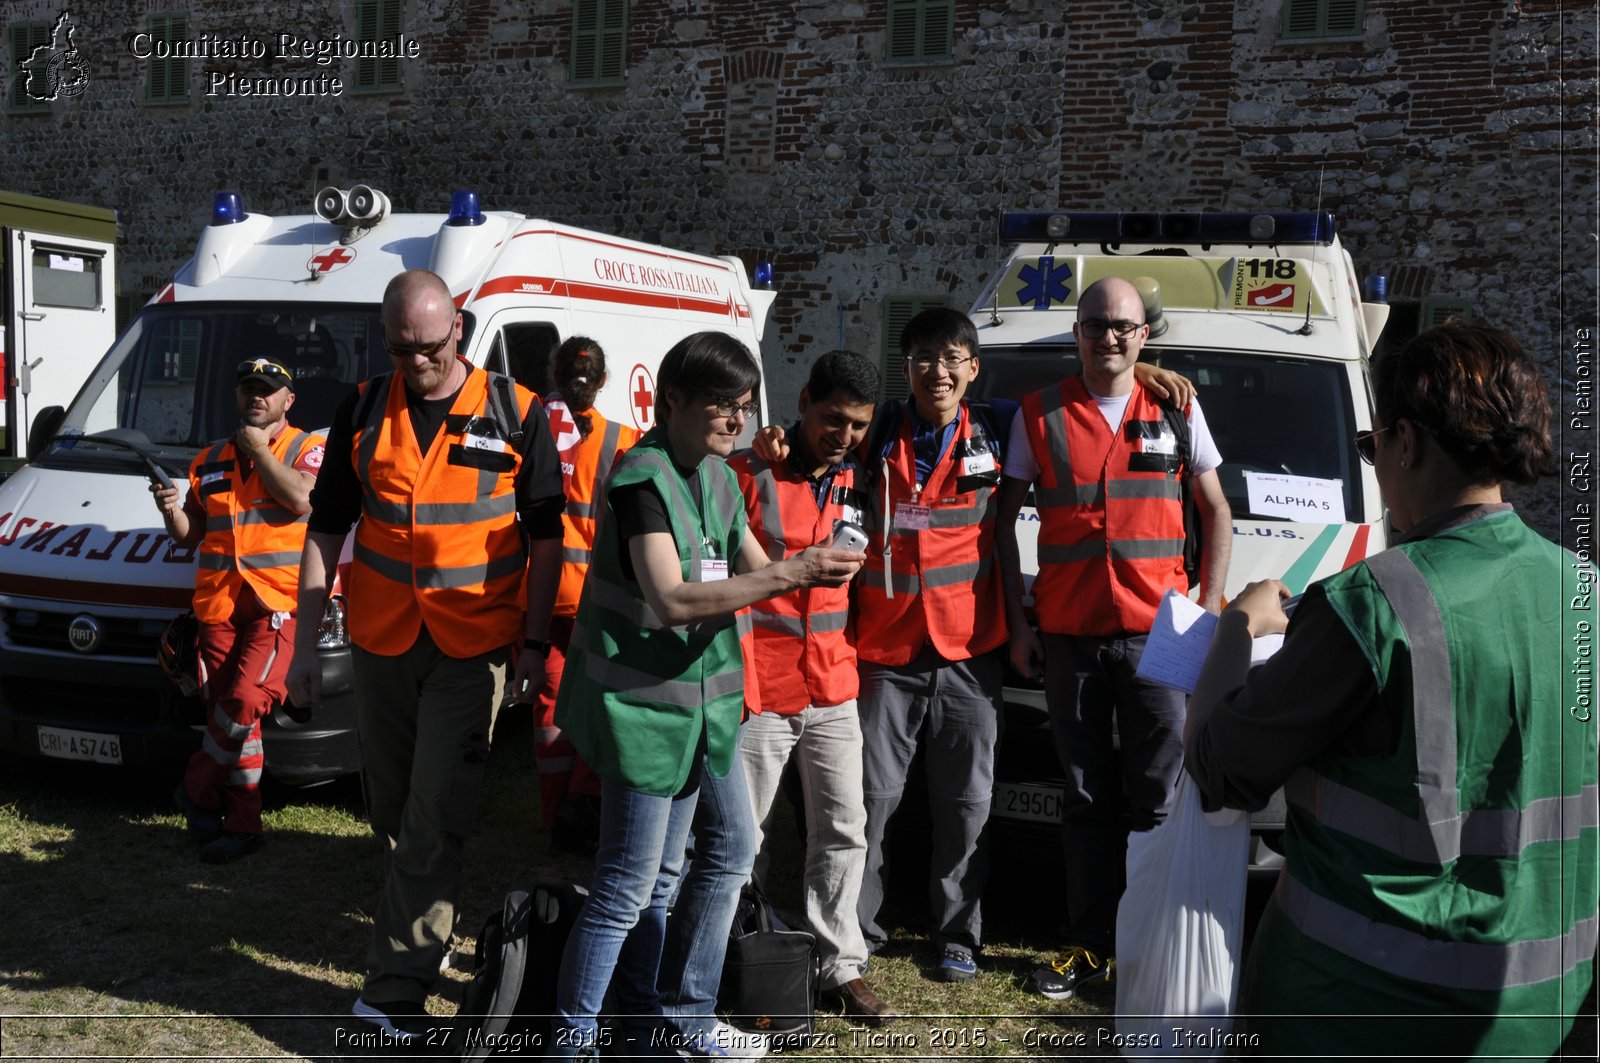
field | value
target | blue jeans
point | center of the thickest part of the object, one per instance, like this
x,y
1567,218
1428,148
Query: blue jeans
x,y
722,855
622,938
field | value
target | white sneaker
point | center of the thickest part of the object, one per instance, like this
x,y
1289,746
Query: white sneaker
x,y
726,1042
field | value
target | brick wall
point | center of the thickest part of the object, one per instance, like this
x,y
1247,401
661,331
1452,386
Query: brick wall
x,y
1455,141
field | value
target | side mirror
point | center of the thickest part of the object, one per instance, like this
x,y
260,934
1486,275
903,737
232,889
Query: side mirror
x,y
45,425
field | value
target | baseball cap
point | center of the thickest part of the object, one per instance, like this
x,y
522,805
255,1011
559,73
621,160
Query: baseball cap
x,y
268,372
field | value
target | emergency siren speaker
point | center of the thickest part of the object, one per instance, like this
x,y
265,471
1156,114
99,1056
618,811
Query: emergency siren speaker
x,y
366,205
331,205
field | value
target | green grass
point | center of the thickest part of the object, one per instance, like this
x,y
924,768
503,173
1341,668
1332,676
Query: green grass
x,y
120,944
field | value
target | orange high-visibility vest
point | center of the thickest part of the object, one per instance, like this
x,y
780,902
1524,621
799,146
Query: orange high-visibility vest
x,y
1110,512
585,464
249,538
937,583
804,651
438,540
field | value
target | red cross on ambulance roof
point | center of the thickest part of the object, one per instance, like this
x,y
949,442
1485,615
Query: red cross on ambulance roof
x,y
332,259
642,397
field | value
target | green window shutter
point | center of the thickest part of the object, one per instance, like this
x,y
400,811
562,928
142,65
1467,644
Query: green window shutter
x,y
25,37
1311,19
378,20
1438,309
599,40
167,79
897,310
920,29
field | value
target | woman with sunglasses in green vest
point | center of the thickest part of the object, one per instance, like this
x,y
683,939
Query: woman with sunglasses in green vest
x,y
652,697
1436,747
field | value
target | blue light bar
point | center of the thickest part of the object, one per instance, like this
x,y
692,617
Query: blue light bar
x,y
464,208
227,209
764,275
1174,228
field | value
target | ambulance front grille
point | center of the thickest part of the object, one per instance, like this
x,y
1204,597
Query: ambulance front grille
x,y
40,629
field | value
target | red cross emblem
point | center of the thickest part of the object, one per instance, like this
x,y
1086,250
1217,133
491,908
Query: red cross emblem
x,y
562,427
332,259
642,397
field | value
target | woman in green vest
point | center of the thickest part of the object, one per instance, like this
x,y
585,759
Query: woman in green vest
x,y
652,697
1434,742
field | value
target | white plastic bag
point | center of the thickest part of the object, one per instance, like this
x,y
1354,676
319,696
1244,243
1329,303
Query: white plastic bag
x,y
1179,929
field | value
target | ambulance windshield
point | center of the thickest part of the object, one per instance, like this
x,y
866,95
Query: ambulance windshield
x,y
1285,416
170,377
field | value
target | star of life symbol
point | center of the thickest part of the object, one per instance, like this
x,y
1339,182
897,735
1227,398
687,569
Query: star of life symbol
x,y
1045,283
57,69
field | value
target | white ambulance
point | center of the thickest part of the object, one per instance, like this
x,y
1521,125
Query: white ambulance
x,y
1264,313
88,578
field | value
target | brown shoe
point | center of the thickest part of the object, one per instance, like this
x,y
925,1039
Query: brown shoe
x,y
857,1001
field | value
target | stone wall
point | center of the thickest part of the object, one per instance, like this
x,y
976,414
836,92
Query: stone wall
x,y
1455,141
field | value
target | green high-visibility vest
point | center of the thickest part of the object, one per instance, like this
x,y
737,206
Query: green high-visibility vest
x,y
1454,877
636,695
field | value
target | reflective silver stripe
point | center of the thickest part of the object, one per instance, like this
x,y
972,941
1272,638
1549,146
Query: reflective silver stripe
x,y
546,734
251,749
229,726
245,777
836,620
267,515
902,582
219,524
963,516
213,453
1052,406
437,578
297,445
614,599
574,555
620,677
396,513
217,754
951,575
469,575
266,668
280,559
484,509
580,510
1485,832
1145,488
1071,495
1451,964
1145,549
771,516
217,562
784,625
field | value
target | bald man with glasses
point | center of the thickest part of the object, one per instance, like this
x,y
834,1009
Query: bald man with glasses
x,y
1106,465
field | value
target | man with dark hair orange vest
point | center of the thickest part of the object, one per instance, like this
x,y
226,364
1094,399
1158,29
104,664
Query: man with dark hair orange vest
x,y
806,678
1108,468
248,499
449,476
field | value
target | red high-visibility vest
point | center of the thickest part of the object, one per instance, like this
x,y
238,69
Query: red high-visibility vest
x,y
938,583
249,537
585,464
804,650
438,540
1110,512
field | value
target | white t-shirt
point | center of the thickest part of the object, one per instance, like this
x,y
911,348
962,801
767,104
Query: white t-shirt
x,y
1204,457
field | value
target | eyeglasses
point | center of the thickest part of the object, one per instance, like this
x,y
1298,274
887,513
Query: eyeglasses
x,y
1095,327
417,350
922,363
1367,443
262,367
726,407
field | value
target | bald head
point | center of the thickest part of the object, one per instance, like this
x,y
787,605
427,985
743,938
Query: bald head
x,y
416,286
1111,332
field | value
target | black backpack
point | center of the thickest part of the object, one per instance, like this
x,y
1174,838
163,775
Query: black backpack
x,y
506,1010
1179,424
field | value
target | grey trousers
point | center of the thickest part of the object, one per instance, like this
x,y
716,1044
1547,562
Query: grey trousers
x,y
424,720
953,707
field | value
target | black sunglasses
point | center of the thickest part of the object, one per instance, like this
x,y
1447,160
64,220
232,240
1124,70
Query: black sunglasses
x,y
1367,443
414,350
262,367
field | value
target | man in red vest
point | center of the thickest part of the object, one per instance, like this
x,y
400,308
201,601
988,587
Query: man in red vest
x,y
804,696
1106,466
247,503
